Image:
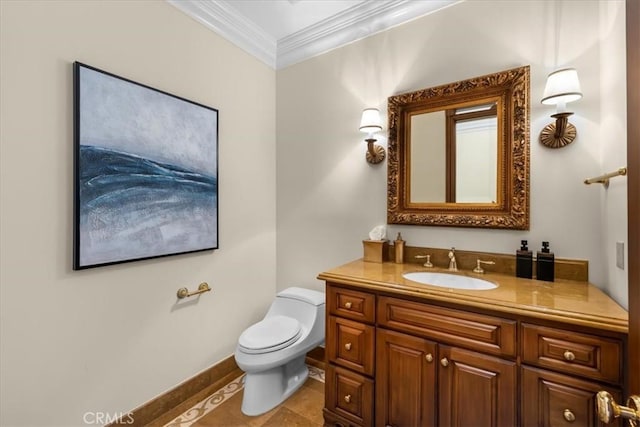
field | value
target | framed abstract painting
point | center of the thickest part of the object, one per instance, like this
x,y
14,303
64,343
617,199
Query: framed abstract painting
x,y
145,171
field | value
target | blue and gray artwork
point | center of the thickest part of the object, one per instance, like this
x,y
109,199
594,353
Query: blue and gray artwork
x,y
147,172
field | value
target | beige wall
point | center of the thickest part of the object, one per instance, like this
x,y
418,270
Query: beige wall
x,y
108,339
329,197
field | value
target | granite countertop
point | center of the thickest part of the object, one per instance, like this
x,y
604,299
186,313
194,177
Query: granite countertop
x,y
578,303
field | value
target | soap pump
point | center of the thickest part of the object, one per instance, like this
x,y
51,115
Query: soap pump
x,y
524,261
545,264
399,249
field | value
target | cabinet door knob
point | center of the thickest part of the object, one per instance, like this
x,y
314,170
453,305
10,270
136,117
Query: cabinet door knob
x,y
347,398
429,357
444,362
568,415
347,346
569,356
347,305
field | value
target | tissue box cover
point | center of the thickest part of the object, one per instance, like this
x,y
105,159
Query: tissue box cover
x,y
376,250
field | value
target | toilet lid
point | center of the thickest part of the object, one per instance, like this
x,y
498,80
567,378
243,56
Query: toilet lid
x,y
270,334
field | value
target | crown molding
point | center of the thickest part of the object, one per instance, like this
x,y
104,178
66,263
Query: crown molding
x,y
233,26
355,23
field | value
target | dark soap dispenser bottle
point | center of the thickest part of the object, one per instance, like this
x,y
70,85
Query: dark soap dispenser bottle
x,y
524,261
545,264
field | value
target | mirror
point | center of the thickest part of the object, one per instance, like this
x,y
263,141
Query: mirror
x,y
459,153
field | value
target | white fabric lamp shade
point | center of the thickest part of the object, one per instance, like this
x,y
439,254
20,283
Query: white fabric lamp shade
x,y
562,87
370,122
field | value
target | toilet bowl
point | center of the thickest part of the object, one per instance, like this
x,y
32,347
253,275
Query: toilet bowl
x,y
272,352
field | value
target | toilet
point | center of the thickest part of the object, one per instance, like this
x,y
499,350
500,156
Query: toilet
x,y
272,352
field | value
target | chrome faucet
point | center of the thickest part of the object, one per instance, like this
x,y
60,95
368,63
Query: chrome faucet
x,y
453,266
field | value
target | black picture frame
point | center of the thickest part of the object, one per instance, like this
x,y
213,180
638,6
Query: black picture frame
x,y
145,171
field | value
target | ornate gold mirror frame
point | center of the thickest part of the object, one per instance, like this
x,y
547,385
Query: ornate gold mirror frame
x,y
510,90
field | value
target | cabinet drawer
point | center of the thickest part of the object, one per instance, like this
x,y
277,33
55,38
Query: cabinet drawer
x,y
351,344
551,399
351,304
571,352
349,395
489,334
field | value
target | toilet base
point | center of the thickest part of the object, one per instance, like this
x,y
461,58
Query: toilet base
x,y
265,390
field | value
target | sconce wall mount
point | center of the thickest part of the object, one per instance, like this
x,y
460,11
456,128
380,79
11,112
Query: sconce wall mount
x,y
559,133
375,153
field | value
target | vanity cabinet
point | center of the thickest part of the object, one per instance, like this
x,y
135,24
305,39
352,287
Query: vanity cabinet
x,y
396,360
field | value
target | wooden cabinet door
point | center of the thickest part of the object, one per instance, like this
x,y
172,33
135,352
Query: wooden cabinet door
x,y
550,399
405,380
475,389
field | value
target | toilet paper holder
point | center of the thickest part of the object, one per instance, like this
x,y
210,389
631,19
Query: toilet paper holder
x,y
184,292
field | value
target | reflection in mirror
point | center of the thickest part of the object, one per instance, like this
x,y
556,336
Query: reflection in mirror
x,y
459,153
475,142
454,155
428,161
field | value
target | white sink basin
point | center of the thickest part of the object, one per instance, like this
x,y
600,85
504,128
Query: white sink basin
x,y
453,281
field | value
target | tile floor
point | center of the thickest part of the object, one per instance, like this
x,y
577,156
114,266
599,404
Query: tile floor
x,y
222,408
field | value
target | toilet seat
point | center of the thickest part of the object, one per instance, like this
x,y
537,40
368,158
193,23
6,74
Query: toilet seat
x,y
270,334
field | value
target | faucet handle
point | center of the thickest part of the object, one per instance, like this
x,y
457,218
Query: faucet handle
x,y
428,262
479,269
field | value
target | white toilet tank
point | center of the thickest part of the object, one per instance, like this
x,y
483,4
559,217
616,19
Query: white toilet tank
x,y
299,303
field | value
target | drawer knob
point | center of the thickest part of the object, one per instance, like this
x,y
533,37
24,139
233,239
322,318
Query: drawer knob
x,y
429,357
347,346
347,305
568,415
444,362
569,356
347,398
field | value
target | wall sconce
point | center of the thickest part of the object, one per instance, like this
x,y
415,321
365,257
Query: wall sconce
x,y
562,87
371,124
